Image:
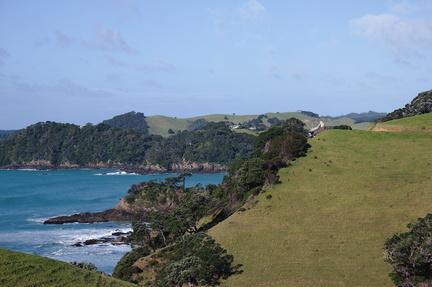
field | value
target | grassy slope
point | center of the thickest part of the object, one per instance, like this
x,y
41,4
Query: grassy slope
x,y
21,269
420,123
326,224
161,124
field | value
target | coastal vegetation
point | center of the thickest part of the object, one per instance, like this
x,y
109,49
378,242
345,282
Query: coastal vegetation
x,y
51,145
167,231
172,211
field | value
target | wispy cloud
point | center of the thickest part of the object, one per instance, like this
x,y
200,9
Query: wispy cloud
x,y
158,65
63,39
336,81
41,42
278,71
252,10
127,8
150,83
396,29
63,88
113,61
109,39
219,23
3,54
383,79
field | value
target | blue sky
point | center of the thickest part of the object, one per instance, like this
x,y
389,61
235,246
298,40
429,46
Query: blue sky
x,y
85,61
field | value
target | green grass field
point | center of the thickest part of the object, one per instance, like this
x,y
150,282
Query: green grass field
x,y
21,269
326,224
160,125
420,123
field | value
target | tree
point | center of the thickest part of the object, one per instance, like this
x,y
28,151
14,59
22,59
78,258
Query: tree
x,y
410,254
197,260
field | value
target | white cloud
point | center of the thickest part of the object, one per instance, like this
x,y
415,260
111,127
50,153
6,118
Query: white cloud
x,y
396,30
252,10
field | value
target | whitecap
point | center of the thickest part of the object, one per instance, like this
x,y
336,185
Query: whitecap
x,y
37,220
117,173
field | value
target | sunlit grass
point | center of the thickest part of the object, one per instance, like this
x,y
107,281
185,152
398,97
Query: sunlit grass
x,y
326,224
21,269
420,123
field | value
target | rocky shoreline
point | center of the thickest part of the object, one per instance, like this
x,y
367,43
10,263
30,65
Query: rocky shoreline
x,y
138,169
92,217
116,238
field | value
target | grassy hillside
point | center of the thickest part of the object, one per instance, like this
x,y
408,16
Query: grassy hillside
x,y
326,224
21,269
420,123
161,124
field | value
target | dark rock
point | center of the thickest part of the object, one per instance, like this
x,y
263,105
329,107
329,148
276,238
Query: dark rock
x,y
120,233
90,217
95,241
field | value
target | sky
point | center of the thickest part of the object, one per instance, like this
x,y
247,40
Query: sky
x,y
86,61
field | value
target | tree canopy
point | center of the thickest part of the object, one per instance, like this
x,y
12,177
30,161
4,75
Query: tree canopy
x,y
196,260
410,254
129,121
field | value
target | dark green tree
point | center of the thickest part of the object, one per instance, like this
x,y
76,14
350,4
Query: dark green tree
x,y
410,254
197,260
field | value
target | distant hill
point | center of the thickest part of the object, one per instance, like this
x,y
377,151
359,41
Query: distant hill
x,y
6,133
161,125
370,116
20,269
129,121
325,224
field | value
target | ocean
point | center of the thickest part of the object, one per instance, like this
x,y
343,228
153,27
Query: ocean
x,y
29,197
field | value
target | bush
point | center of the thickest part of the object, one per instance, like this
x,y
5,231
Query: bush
x,y
196,260
410,254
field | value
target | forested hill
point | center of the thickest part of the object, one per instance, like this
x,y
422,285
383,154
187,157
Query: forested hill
x,y
422,104
132,120
50,144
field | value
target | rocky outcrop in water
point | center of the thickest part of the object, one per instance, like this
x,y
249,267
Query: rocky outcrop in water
x,y
92,217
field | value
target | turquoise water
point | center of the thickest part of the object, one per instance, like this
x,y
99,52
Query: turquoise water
x,y
28,197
